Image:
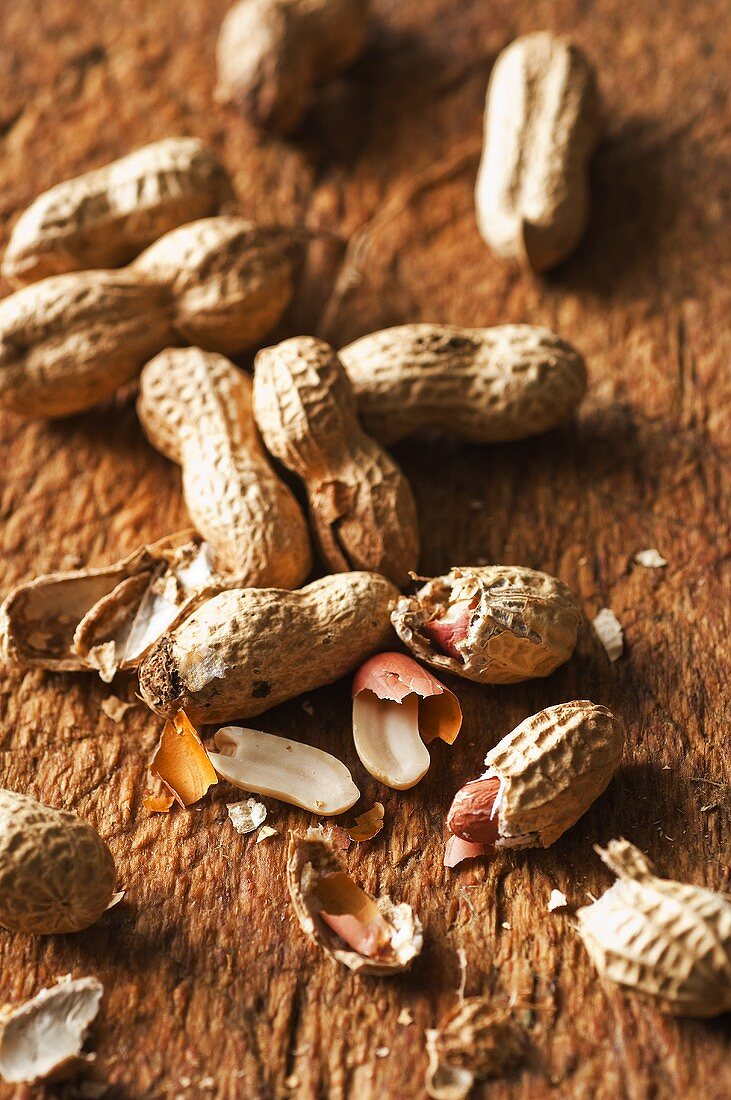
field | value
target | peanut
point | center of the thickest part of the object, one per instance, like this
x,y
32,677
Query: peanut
x,y
105,217
487,385
496,624
249,649
667,941
361,506
271,53
70,341
196,407
56,872
541,126
368,935
540,778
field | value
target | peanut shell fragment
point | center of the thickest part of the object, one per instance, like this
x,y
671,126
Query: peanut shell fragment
x,y
182,763
196,407
301,775
542,122
249,649
540,779
361,505
485,385
398,708
496,624
43,1038
56,872
666,941
105,217
475,1040
368,935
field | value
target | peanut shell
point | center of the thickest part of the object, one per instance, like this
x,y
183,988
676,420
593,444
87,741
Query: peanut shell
x,y
310,857
56,873
552,767
542,122
361,505
518,622
199,406
105,217
107,618
271,53
666,941
71,340
488,385
249,649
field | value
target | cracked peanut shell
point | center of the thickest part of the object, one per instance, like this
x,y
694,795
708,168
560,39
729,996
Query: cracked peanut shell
x,y
382,938
495,624
249,649
666,941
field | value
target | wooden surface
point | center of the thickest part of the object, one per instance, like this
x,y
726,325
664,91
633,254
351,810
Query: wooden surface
x,y
211,989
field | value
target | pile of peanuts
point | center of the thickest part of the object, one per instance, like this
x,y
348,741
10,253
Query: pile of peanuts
x,y
144,268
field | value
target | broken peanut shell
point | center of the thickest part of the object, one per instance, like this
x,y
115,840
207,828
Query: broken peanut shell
x,y
301,775
550,770
181,762
43,1038
106,619
368,935
398,708
666,941
496,624
246,650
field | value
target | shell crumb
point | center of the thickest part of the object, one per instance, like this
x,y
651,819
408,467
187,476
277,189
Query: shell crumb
x,y
609,631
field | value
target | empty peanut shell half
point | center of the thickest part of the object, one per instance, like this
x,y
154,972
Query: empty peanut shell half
x,y
496,624
540,779
398,708
288,770
667,941
368,935
107,618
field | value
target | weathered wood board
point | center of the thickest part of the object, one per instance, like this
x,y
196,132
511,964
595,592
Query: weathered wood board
x,y
211,990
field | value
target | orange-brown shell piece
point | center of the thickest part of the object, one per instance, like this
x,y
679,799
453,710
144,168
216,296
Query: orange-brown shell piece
x,y
182,763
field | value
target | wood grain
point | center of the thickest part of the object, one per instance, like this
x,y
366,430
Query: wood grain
x,y
211,990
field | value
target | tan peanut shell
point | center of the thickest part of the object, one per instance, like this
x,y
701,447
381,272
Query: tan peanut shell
x,y
271,53
361,505
249,649
489,385
201,406
517,623
56,872
542,122
229,279
107,618
105,217
310,858
552,767
70,341
666,941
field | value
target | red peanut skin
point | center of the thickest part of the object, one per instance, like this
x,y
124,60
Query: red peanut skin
x,y
470,815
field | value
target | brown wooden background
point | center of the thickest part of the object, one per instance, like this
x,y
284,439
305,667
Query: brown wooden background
x,y
211,990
